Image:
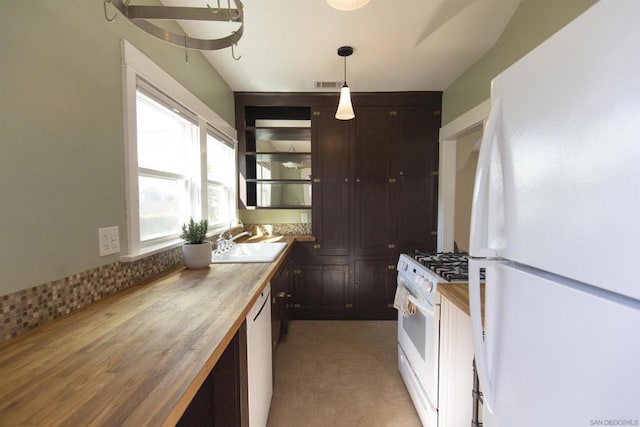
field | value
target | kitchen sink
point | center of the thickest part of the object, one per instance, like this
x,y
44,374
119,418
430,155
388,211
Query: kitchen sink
x,y
250,252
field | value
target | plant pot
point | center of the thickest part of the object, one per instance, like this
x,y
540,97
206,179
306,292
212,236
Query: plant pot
x,y
197,256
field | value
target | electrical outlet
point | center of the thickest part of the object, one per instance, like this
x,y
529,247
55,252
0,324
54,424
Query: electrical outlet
x,y
304,217
109,240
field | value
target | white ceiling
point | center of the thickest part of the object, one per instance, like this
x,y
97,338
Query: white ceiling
x,y
399,45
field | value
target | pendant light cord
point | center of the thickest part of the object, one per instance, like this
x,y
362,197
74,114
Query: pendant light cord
x,y
345,70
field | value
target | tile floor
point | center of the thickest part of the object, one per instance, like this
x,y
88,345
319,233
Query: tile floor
x,y
340,374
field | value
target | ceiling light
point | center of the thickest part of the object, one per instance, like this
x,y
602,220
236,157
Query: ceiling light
x,y
345,110
347,4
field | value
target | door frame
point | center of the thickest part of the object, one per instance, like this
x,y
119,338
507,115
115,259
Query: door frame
x,y
449,133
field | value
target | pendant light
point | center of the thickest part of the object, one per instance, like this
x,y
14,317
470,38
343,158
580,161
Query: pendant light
x,y
345,110
347,4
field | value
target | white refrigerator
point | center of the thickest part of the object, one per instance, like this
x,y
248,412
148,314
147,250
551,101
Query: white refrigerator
x,y
556,226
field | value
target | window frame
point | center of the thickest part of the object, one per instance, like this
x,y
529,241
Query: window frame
x,y
136,67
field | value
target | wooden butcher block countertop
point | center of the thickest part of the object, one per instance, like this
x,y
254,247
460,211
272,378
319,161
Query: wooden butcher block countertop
x,y
135,358
458,294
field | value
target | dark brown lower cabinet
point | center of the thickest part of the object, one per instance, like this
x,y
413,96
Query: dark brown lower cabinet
x,y
321,291
222,399
375,283
280,295
280,299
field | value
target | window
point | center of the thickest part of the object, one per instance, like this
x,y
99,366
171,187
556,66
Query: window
x,y
221,172
167,147
181,160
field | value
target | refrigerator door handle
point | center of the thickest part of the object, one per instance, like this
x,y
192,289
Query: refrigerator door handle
x,y
479,235
482,363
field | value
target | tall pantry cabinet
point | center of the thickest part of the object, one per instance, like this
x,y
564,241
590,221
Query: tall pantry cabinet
x,y
374,196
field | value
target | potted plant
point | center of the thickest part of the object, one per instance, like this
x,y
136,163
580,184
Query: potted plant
x,y
196,250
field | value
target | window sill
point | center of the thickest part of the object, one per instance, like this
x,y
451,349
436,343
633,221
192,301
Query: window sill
x,y
151,250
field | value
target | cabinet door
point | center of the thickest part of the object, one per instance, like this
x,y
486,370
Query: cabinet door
x,y
321,291
417,143
374,228
373,148
373,197
416,136
374,281
307,292
456,372
417,213
331,183
280,288
335,278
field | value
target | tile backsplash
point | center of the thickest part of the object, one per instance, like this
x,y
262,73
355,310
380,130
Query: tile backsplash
x,y
279,229
28,308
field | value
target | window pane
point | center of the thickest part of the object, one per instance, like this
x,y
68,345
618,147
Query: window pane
x,y
163,136
220,161
219,206
162,203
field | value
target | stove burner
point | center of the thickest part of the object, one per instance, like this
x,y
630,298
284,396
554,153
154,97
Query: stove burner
x,y
451,266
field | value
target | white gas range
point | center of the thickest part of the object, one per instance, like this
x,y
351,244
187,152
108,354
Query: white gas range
x,y
419,333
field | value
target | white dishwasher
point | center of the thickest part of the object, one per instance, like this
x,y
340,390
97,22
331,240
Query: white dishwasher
x,y
259,367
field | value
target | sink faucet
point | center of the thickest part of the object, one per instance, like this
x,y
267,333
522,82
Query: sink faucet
x,y
237,236
224,244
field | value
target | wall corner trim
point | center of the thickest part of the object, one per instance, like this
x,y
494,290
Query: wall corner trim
x,y
471,118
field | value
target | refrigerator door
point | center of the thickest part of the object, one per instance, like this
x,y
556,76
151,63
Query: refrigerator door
x,y
561,169
558,354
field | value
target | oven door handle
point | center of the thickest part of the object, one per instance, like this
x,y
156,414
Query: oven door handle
x,y
427,311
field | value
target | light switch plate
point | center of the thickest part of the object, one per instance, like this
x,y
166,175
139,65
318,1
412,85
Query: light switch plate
x,y
304,217
109,240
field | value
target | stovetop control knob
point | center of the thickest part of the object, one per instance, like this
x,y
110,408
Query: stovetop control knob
x,y
428,285
403,265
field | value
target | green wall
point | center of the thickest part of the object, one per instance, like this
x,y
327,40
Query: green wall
x,y
532,23
61,132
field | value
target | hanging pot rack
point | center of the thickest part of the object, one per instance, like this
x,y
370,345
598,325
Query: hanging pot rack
x,y
139,16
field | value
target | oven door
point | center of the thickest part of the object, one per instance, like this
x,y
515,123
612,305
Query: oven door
x,y
418,337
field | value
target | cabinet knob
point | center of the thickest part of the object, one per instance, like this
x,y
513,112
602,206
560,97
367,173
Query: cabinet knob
x,y
357,179
346,180
316,180
348,305
391,246
392,180
391,267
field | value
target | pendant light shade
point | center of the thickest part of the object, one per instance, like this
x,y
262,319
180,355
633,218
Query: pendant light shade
x,y
347,4
345,109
